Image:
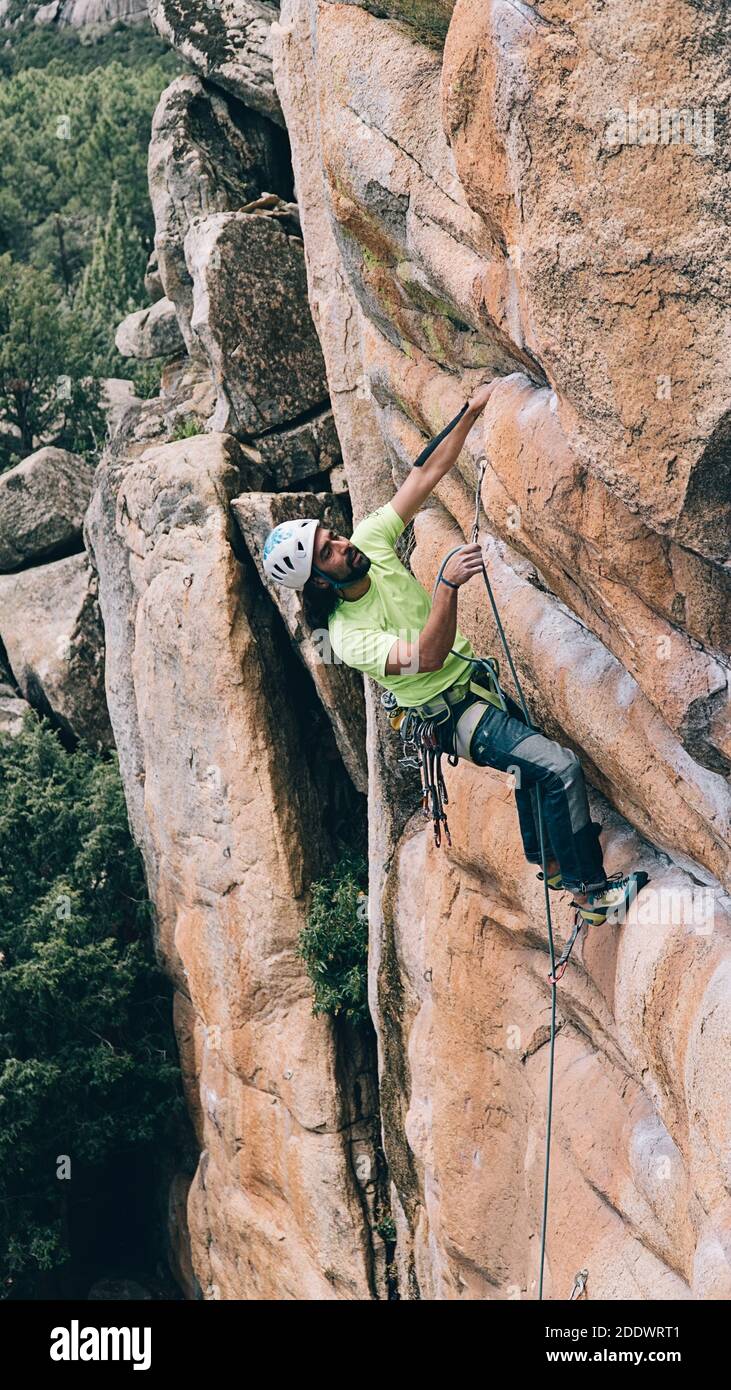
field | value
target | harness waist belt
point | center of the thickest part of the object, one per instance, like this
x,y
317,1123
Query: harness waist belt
x,y
487,687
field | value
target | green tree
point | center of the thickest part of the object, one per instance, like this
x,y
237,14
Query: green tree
x,y
46,395
66,140
111,284
70,51
88,1063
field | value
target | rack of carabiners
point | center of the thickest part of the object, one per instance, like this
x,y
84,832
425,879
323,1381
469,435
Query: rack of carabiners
x,y
422,750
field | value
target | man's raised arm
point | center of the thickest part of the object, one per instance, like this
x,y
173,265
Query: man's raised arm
x,y
421,481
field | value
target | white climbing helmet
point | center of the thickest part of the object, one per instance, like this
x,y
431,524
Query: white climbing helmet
x,y
288,552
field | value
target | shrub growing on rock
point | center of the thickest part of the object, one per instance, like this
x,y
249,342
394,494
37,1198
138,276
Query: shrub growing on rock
x,y
334,944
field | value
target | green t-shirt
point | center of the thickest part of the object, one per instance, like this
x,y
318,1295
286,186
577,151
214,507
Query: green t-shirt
x,y
363,630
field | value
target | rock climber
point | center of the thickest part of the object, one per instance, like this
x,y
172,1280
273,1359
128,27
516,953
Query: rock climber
x,y
381,621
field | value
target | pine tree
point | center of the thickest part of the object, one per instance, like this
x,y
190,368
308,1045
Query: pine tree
x,y
88,1061
47,395
112,284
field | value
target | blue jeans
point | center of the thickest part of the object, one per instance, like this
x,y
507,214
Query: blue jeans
x,y
507,743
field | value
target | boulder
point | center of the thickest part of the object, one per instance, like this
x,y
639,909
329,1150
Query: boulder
x,y
118,396
251,318
207,154
302,451
229,43
12,708
12,714
151,332
51,629
42,505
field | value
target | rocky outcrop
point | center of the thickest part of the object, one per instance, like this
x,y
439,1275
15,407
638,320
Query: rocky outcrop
x,y
42,505
208,154
476,196
229,43
98,15
207,710
51,631
151,332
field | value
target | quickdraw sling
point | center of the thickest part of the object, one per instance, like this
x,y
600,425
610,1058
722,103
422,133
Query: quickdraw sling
x,y
419,725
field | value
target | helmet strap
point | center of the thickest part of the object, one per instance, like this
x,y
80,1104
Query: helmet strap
x,y
336,583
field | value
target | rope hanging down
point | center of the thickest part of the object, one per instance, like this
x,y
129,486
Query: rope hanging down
x,y
557,966
553,979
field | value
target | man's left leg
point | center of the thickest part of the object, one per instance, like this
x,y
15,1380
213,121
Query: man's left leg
x,y
505,741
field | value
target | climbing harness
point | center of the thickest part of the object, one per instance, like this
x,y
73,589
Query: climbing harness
x,y
434,797
419,725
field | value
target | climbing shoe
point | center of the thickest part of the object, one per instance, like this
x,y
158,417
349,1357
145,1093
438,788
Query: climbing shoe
x,y
555,881
612,903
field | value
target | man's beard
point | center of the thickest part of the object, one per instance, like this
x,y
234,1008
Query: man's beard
x,y
359,567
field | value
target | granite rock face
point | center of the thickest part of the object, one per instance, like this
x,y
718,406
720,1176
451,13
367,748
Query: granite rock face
x,y
487,220
477,195
611,265
208,154
200,694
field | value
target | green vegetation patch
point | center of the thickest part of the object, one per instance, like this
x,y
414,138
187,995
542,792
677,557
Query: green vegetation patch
x,y
89,1072
334,944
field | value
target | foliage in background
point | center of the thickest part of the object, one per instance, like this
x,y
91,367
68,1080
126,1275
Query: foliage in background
x,y
74,51
66,141
334,944
110,285
75,209
88,1063
187,427
146,376
44,355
